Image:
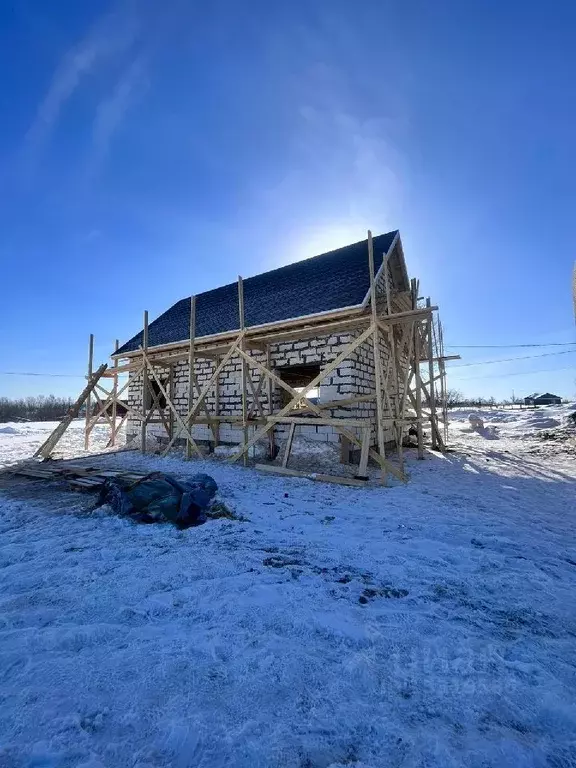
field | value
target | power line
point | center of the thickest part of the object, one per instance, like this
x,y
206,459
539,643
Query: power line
x,y
33,373
510,346
517,373
511,359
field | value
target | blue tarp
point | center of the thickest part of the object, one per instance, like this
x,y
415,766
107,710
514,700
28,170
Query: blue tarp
x,y
161,498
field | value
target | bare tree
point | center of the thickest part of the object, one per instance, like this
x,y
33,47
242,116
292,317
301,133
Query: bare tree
x,y
454,397
39,408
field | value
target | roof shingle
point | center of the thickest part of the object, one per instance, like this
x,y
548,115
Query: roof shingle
x,y
327,282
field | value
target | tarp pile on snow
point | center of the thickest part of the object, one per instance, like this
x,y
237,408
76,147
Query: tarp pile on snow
x,y
160,498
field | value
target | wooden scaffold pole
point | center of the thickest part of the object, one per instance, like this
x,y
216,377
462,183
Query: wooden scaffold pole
x,y
87,428
417,378
191,368
145,384
270,396
244,370
216,425
394,368
431,386
48,446
377,358
114,395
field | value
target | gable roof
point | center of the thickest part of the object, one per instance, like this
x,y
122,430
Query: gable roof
x,y
334,280
547,394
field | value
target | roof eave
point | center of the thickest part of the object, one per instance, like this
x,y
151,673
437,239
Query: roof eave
x,y
329,314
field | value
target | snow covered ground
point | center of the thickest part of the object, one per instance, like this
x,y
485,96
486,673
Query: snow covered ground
x,y
432,624
19,440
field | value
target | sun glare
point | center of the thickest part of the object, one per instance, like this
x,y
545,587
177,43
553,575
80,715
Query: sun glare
x,y
314,241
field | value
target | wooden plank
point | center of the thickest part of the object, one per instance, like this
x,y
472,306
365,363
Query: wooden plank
x,y
48,445
364,453
392,363
129,409
171,392
170,404
345,402
344,450
244,370
433,422
155,406
115,396
191,366
144,384
32,473
342,430
302,394
207,387
319,478
408,341
120,392
376,352
81,482
103,406
270,397
288,447
256,393
87,427
216,423
304,328
193,386
431,392
319,421
416,370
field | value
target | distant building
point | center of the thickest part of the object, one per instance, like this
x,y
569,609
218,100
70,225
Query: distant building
x,y
544,399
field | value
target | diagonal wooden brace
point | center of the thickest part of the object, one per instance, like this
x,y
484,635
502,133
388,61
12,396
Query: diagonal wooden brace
x,y
170,404
194,410
298,396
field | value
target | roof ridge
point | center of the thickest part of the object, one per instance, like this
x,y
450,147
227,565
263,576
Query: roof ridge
x,y
291,264
323,283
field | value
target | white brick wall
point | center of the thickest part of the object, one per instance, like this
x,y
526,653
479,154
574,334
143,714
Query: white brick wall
x,y
354,376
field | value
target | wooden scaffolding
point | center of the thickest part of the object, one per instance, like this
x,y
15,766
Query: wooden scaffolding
x,y
413,369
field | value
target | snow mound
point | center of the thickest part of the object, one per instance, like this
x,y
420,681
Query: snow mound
x,y
543,422
8,431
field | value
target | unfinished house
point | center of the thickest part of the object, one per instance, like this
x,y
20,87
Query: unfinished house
x,y
337,349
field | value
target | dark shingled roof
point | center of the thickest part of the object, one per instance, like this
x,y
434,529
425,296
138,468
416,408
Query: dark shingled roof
x,y
331,281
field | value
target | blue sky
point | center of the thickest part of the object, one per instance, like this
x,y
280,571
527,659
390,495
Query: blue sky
x,y
153,150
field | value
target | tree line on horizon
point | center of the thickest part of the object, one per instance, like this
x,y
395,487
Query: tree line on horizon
x,y
456,399
38,408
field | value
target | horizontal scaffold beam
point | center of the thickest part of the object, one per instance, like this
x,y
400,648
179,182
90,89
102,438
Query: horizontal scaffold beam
x,y
211,349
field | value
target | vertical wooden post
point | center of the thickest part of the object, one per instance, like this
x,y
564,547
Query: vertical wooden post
x,y
377,359
387,286
216,427
405,389
270,394
115,395
191,369
431,384
442,367
172,398
394,365
87,429
244,370
288,447
144,385
417,355
414,288
364,453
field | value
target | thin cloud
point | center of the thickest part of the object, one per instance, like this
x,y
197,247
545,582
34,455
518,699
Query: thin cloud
x,y
109,36
111,111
